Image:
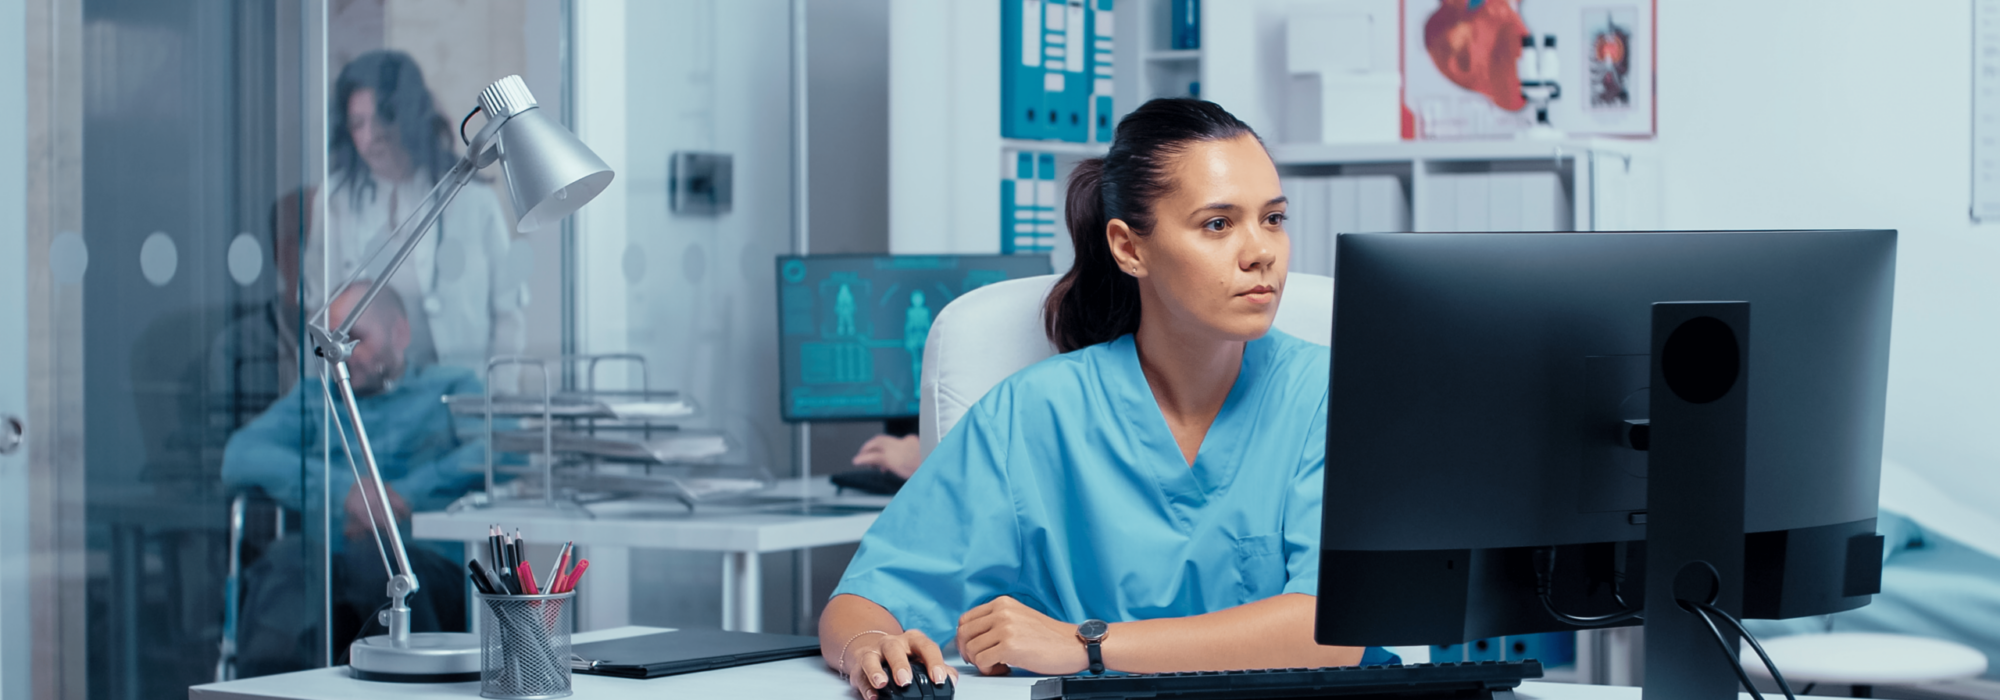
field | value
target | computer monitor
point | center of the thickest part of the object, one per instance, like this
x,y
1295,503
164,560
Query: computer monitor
x,y
1486,392
851,328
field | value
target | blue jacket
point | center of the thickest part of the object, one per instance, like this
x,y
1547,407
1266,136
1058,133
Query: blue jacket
x,y
425,454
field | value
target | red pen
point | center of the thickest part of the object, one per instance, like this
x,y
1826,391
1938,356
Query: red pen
x,y
569,583
556,575
527,575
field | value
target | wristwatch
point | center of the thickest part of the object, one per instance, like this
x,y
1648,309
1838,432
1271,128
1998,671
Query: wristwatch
x,y
1092,634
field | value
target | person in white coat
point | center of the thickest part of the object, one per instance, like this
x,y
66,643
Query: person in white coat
x,y
389,147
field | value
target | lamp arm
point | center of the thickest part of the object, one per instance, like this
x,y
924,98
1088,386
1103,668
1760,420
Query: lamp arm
x,y
335,345
426,216
402,578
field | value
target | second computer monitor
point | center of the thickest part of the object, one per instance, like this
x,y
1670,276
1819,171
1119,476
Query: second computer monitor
x,y
851,328
1480,385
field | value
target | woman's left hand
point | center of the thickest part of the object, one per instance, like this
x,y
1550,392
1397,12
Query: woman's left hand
x,y
1004,634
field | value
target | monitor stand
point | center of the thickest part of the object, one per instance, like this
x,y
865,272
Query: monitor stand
x,y
1695,495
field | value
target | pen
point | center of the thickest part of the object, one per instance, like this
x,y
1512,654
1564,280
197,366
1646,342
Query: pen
x,y
493,541
569,583
479,577
486,579
556,574
527,578
505,565
520,547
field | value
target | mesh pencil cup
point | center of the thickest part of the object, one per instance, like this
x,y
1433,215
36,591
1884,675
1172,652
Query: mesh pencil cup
x,y
524,651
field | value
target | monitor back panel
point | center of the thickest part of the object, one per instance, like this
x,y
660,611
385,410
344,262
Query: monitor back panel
x,y
1479,379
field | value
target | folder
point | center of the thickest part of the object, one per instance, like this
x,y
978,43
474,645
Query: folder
x,y
1066,56
686,651
1020,69
1102,70
1030,204
1017,198
1186,24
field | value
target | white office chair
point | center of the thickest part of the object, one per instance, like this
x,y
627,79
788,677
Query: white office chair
x,y
996,330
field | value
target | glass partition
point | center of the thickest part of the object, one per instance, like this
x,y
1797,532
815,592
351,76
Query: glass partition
x,y
201,177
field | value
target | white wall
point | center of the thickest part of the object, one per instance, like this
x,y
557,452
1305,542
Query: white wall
x,y
15,654
1849,114
700,294
944,121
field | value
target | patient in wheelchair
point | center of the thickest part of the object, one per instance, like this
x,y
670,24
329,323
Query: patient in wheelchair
x,y
296,457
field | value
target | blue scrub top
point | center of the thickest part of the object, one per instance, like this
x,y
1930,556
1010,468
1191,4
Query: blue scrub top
x,y
1064,489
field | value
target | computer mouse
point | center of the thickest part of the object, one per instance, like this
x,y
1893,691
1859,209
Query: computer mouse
x,y
920,687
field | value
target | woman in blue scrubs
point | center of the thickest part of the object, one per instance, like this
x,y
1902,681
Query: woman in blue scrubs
x,y
1162,475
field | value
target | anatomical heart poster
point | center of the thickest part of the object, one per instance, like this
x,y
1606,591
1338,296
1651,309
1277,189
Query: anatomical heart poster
x,y
1486,68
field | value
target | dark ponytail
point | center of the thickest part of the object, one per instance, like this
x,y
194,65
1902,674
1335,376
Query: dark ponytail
x,y
1096,301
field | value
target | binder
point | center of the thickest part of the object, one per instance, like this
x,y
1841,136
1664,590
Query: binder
x,y
1056,69
1048,204
1186,24
1017,198
1068,83
1102,70
1021,69
1029,204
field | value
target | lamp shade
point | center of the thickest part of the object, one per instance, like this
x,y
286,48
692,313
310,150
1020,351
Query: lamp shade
x,y
549,172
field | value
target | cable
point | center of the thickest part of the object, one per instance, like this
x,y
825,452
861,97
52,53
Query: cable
x,y
1546,573
361,633
1773,668
467,120
1723,644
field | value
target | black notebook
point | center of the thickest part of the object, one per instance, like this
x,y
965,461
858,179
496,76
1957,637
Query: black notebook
x,y
686,651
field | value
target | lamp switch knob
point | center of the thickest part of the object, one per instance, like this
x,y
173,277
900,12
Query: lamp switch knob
x,y
12,432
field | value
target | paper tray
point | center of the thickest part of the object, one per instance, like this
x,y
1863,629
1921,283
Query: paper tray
x,y
659,446
631,406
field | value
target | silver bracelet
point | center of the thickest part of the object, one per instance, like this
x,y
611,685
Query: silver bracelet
x,y
850,642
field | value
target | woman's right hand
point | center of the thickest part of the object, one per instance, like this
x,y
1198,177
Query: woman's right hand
x,y
865,667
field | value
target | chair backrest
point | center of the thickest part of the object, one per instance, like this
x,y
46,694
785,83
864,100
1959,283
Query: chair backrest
x,y
994,331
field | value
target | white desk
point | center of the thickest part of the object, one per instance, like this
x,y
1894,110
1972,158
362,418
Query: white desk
x,y
740,532
792,679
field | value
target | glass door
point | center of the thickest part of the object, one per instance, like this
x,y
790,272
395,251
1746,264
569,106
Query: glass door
x,y
196,174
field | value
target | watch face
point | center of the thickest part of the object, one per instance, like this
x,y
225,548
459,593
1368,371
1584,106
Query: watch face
x,y
1092,629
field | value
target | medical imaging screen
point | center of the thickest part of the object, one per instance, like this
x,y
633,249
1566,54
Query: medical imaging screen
x,y
851,328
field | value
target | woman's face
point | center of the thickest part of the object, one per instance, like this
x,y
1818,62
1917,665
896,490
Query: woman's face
x,y
376,138
1217,256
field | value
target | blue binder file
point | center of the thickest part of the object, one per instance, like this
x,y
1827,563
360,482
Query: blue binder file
x,y
1056,69
1017,199
1102,71
1021,115
1072,92
1029,204
1186,24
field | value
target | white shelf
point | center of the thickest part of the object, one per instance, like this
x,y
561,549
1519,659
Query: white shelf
x,y
1062,147
1174,55
1468,150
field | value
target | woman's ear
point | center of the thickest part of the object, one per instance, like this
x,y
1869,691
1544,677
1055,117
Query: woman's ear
x,y
1124,244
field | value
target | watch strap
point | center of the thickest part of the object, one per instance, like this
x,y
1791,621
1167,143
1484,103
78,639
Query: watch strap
x,y
1096,650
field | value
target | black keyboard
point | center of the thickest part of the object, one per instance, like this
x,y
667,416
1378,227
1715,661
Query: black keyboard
x,y
1468,680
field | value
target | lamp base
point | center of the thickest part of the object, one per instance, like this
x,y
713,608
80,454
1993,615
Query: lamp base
x,y
430,657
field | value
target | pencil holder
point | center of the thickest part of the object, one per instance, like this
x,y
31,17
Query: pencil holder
x,y
524,651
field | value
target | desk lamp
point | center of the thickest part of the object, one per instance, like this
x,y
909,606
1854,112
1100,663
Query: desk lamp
x,y
549,175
